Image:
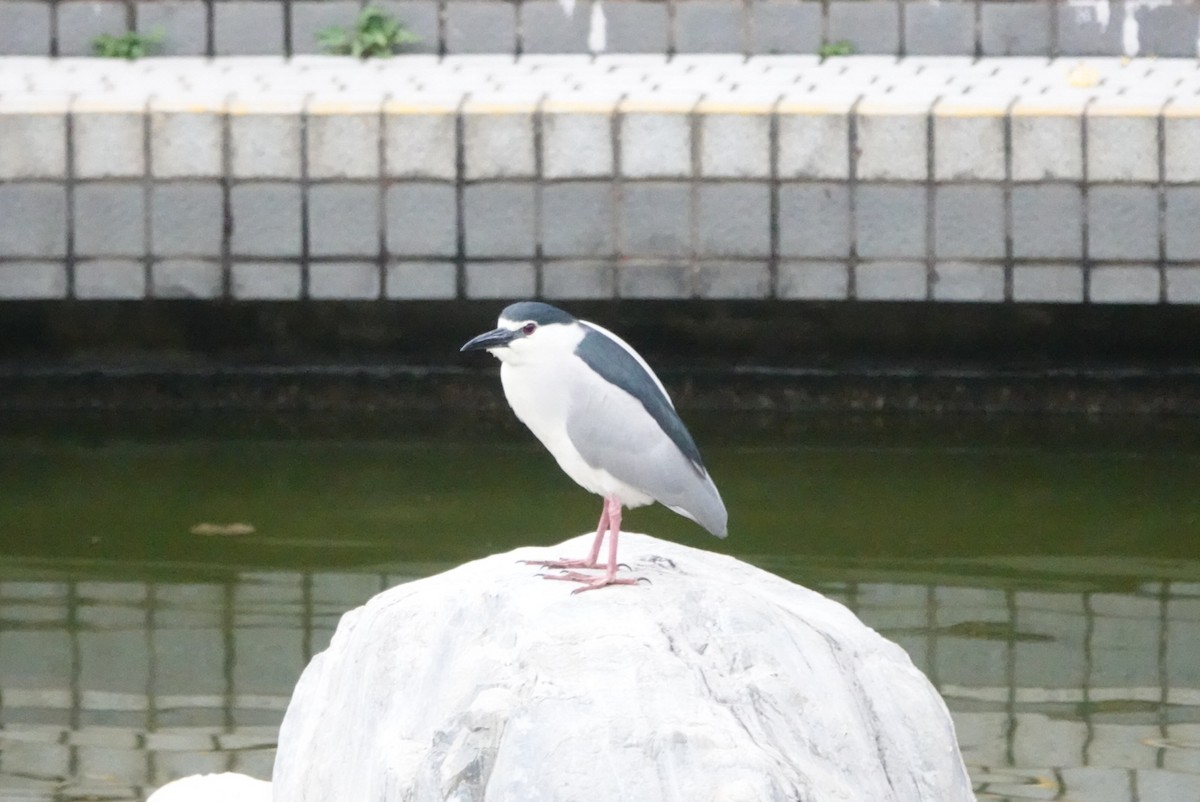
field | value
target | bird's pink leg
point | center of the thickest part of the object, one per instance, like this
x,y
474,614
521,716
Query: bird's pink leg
x,y
609,577
590,560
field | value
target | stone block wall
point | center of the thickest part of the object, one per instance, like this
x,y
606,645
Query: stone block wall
x,y
884,27
998,181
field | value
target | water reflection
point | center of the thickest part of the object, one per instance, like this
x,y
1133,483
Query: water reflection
x,y
110,686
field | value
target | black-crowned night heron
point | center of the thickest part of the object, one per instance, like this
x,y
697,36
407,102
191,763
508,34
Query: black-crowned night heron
x,y
604,415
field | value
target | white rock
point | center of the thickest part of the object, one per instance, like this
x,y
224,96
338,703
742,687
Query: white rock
x,y
227,787
718,682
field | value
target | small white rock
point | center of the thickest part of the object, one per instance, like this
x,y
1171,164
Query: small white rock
x,y
227,787
719,682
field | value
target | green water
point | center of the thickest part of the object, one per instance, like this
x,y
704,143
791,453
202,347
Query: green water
x,y
1045,575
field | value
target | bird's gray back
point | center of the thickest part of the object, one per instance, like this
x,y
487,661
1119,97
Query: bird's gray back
x,y
629,429
617,366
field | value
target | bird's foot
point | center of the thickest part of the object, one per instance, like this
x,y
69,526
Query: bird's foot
x,y
590,582
564,563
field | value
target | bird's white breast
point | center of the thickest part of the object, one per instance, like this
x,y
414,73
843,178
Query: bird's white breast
x,y
539,392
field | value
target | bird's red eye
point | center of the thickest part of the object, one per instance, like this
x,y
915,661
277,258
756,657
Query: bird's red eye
x,y
528,328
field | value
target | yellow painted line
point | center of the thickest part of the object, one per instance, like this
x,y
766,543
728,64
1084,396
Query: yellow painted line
x,y
579,107
956,109
722,107
498,108
330,107
664,106
406,107
108,106
815,109
1188,108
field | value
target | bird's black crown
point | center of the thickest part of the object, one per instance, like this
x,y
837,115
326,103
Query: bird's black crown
x,y
540,313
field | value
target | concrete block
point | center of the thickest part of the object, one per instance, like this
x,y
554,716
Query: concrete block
x,y
941,29
1124,284
709,26
265,281
890,221
25,28
109,145
890,281
344,220
656,144
186,144
790,27
419,17
814,220
81,21
186,278
871,26
633,26
969,282
577,144
421,280
247,28
892,144
513,280
967,146
814,281
110,280
733,219
310,17
545,28
744,281
265,145
343,145
1034,283
35,146
35,220
1166,30
1183,284
1015,29
1183,224
1090,30
343,281
814,144
1121,147
187,219
1181,144
481,26
578,280
184,25
1047,221
651,281
1046,146
498,144
1123,222
110,219
20,281
969,221
579,221
735,145
499,220
655,220
266,220
420,144
422,219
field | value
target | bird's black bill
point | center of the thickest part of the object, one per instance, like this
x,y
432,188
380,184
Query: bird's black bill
x,y
496,338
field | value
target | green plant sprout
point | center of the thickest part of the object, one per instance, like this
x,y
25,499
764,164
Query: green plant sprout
x,y
375,35
839,48
129,45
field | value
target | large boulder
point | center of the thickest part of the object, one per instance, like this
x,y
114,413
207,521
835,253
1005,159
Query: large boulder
x,y
716,681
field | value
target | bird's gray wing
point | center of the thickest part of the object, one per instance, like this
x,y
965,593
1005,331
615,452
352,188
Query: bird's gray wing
x,y
613,430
